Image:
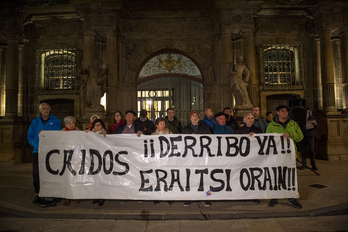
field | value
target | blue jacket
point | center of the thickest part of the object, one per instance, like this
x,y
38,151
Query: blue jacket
x,y
260,123
225,129
210,122
37,125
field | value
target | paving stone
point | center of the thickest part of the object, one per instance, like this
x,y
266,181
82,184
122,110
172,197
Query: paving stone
x,y
129,226
163,226
97,226
145,217
341,209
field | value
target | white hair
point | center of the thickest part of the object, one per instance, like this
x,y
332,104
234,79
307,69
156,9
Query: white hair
x,y
42,104
68,119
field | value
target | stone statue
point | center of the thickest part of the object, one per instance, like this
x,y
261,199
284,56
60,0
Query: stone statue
x,y
239,76
96,85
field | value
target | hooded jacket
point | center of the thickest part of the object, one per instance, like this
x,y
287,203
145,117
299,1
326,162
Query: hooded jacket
x,y
291,127
53,123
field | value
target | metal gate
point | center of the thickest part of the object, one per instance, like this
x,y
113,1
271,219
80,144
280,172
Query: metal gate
x,y
159,94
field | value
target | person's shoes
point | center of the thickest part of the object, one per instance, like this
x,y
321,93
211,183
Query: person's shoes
x,y
187,203
295,203
272,202
314,168
101,202
36,199
170,202
206,203
302,167
156,202
95,201
257,201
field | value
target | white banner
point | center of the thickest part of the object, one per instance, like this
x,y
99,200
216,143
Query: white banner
x,y
80,165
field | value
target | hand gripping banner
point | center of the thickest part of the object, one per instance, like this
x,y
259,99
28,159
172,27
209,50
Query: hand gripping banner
x,y
80,165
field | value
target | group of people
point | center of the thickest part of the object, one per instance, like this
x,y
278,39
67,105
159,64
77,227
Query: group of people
x,y
221,123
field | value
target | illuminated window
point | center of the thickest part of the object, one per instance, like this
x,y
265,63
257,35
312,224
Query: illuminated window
x,y
281,66
154,101
56,70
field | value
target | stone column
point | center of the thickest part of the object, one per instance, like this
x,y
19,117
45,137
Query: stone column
x,y
2,84
327,71
20,82
112,65
226,63
120,65
12,54
344,62
249,57
88,61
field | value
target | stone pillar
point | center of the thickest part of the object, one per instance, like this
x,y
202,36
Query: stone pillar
x,y
88,61
226,63
20,83
12,54
327,71
2,85
120,65
344,62
112,66
249,57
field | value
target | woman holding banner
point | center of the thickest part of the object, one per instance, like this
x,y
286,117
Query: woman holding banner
x,y
117,120
99,128
69,122
161,130
196,126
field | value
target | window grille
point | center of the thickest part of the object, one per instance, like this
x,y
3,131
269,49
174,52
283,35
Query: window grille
x,y
282,65
56,71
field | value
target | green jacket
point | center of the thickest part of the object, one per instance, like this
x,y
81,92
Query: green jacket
x,y
292,128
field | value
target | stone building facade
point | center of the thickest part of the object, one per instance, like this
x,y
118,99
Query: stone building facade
x,y
155,54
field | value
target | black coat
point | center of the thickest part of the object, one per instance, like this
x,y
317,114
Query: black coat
x,y
148,127
202,129
232,122
246,130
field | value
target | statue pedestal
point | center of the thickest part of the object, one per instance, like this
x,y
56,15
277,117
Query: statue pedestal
x,y
239,115
89,112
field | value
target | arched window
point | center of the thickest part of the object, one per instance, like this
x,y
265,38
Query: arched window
x,y
170,80
56,70
170,63
281,67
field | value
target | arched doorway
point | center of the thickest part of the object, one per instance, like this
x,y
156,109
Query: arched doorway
x,y
170,80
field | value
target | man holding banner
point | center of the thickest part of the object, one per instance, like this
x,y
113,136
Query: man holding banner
x,y
129,127
282,124
45,121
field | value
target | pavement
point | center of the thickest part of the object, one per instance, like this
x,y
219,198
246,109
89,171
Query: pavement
x,y
324,198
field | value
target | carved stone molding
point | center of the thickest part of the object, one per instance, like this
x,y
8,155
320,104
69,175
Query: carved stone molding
x,y
273,27
167,26
132,46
